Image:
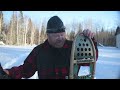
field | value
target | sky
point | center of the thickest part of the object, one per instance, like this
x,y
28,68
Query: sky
x,y
107,18
107,65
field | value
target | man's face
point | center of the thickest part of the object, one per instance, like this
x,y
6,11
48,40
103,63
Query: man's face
x,y
56,39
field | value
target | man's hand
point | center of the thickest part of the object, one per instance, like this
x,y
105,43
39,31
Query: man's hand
x,y
88,33
4,74
2,71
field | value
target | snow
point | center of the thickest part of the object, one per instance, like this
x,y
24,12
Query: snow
x,y
1,43
84,70
99,44
107,66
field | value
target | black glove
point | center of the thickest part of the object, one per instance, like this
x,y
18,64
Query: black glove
x,y
3,75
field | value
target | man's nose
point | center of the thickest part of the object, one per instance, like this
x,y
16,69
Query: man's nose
x,y
60,37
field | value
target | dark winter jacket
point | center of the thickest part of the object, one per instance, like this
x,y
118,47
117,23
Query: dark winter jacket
x,y
50,62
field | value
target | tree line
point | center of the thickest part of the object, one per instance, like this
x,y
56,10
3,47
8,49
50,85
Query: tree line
x,y
21,30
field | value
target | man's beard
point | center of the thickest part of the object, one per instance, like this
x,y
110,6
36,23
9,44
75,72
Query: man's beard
x,y
59,43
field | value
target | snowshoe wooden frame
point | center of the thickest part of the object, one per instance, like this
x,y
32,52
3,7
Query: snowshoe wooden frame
x,y
83,51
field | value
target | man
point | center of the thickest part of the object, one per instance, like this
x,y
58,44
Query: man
x,y
52,58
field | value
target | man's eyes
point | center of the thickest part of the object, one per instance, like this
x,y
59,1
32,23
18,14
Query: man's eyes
x,y
58,35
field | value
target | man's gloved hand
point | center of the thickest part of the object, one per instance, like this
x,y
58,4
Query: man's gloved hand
x,y
88,33
3,75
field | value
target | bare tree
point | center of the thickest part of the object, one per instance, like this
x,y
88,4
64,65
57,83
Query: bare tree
x,y
2,24
88,24
36,35
21,28
30,33
25,29
1,21
79,28
11,31
43,33
4,33
67,28
74,26
72,35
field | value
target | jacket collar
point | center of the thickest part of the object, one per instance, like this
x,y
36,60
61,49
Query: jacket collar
x,y
47,45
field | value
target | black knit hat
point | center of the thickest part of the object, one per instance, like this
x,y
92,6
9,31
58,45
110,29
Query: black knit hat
x,y
55,25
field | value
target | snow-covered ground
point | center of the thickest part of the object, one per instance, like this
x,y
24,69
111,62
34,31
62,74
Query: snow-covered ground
x,y
107,66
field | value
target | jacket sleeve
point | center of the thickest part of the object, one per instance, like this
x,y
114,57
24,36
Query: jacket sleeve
x,y
26,70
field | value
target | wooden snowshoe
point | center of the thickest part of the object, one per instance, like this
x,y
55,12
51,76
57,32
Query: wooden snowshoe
x,y
83,51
